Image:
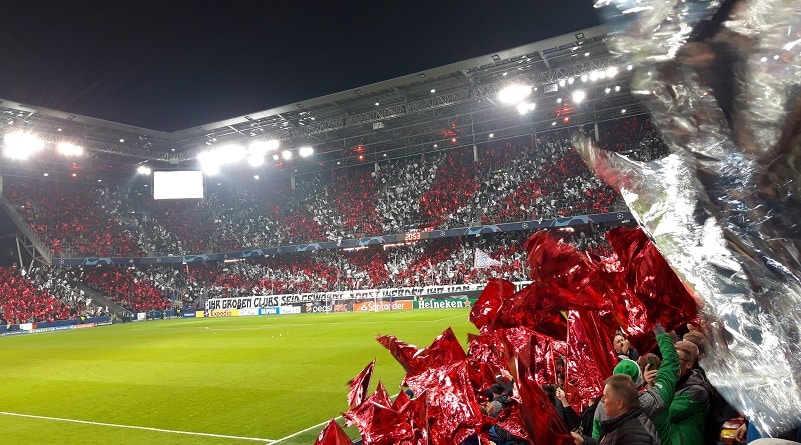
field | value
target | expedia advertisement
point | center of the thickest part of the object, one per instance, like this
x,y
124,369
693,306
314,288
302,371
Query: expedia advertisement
x,y
223,313
323,307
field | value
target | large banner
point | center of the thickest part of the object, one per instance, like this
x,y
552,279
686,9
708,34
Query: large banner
x,y
355,296
242,302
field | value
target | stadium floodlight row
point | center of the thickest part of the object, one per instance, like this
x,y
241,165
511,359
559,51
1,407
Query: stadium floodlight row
x,y
450,106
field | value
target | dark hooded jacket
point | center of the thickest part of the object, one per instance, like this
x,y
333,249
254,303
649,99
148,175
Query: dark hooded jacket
x,y
629,428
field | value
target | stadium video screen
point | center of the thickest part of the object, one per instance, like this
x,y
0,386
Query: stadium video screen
x,y
178,184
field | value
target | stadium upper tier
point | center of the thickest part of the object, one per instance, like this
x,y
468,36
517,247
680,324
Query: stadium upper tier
x,y
522,179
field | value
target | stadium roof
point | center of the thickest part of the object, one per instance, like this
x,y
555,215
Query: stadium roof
x,y
431,110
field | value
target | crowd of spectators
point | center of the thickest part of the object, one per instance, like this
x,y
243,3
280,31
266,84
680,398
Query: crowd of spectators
x,y
21,301
125,287
447,201
401,184
528,178
67,219
633,136
444,261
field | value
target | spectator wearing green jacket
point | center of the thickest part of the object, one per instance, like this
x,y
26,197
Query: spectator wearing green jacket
x,y
690,405
655,400
677,407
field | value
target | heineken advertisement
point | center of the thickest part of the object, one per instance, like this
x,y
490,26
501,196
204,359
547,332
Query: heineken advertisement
x,y
444,304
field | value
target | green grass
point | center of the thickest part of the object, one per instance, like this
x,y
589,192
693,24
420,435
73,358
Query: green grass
x,y
265,377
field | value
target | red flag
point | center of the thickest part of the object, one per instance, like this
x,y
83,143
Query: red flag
x,y
453,410
590,357
543,423
402,351
333,434
359,386
486,308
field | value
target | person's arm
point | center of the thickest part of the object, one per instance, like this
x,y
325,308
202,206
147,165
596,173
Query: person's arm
x,y
668,371
596,420
741,433
580,439
569,414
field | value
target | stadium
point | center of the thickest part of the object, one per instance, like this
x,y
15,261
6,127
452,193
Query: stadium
x,y
223,283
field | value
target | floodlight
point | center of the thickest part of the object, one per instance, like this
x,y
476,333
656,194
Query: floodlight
x,y
286,154
579,96
143,170
69,149
210,169
305,152
210,162
594,76
514,94
255,160
21,145
260,147
231,153
611,71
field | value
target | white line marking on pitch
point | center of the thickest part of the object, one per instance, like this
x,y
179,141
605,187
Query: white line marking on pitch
x,y
158,430
303,431
316,426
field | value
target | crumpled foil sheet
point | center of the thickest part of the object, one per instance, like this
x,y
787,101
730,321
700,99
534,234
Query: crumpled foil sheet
x,y
721,80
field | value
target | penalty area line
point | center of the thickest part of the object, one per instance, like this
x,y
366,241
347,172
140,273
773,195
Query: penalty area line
x,y
133,427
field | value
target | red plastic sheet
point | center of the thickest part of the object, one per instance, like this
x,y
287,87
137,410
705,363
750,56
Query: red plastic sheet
x,y
538,413
359,386
649,277
572,311
333,434
453,409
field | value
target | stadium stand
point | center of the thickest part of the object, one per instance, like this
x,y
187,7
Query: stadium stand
x,y
21,301
514,180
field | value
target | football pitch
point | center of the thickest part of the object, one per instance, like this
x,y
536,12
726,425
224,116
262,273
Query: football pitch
x,y
244,380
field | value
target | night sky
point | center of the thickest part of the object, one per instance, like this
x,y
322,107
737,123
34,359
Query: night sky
x,y
170,64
